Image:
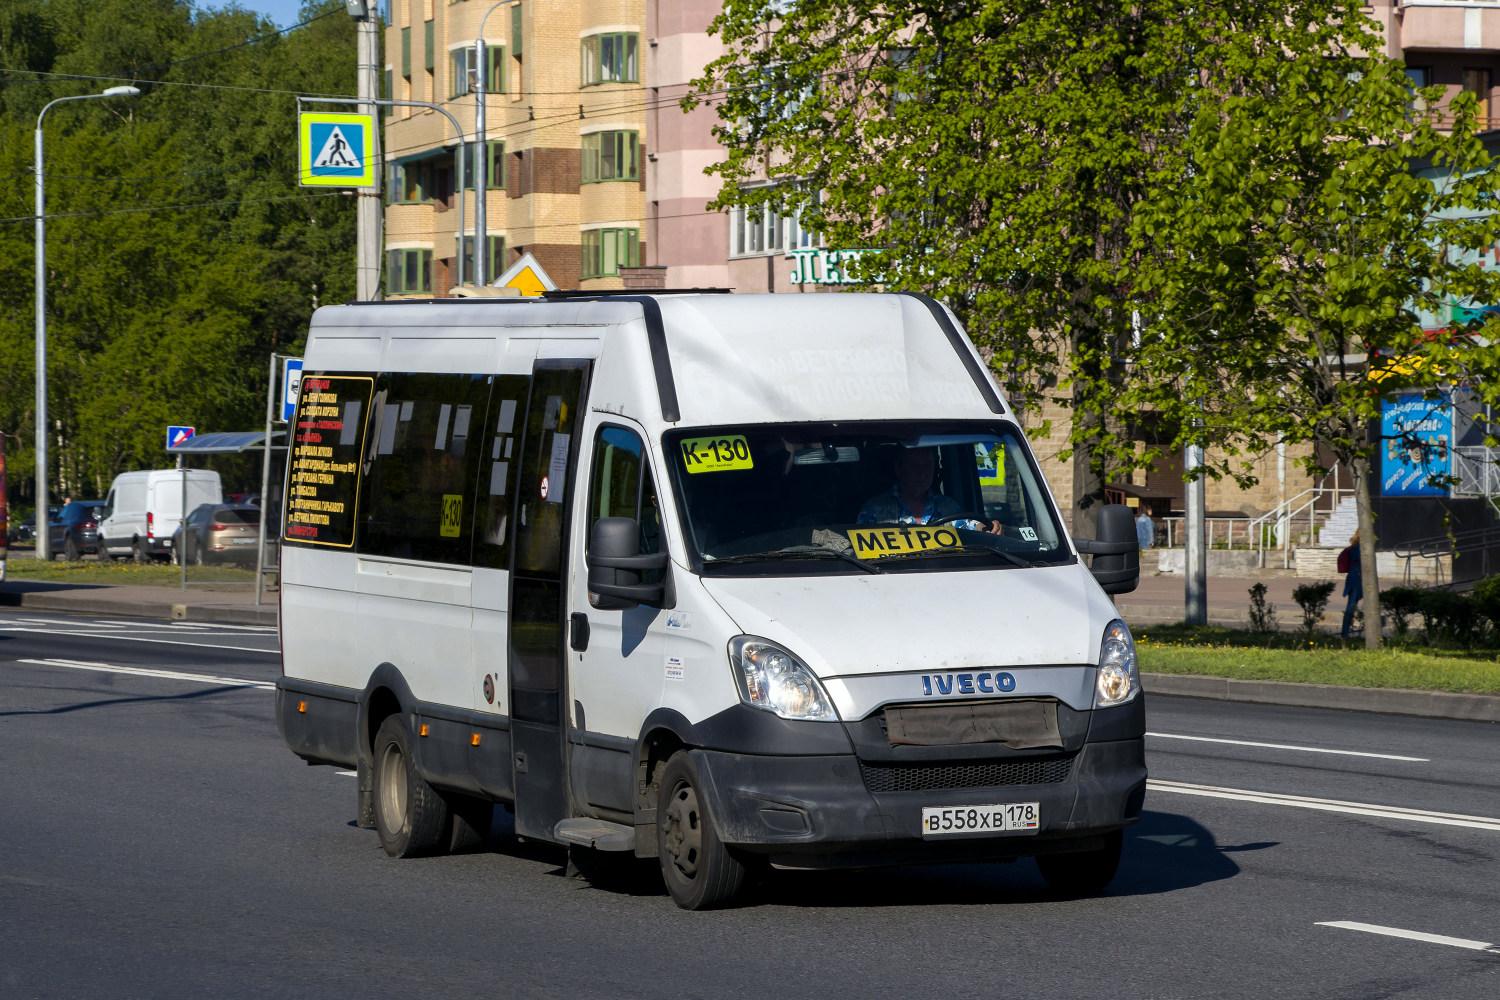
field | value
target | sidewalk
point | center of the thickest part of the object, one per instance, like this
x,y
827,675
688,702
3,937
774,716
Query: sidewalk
x,y
1159,600
228,605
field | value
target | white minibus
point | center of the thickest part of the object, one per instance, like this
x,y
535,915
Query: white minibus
x,y
724,580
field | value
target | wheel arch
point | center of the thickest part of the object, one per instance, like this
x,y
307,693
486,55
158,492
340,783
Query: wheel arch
x,y
386,693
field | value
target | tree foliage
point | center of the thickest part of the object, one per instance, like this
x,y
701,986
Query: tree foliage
x,y
180,251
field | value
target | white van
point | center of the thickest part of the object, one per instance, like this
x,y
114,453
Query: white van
x,y
144,508
722,580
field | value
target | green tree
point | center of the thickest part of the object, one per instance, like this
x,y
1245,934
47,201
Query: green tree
x,y
1303,250
180,249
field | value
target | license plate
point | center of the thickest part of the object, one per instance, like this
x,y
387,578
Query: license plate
x,y
244,541
1007,817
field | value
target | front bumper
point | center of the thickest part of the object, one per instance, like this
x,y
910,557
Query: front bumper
x,y
821,811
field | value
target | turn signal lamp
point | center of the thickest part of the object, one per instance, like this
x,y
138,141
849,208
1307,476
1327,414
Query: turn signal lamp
x,y
422,729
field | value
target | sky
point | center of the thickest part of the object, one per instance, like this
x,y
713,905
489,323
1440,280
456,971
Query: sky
x,y
283,12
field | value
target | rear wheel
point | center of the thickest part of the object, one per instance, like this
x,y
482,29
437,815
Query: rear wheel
x,y
138,552
1085,872
70,549
411,818
469,829
700,872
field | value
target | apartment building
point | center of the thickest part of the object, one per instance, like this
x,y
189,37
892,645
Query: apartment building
x,y
564,142
1455,43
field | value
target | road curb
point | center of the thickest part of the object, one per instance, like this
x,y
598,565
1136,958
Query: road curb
x,y
180,611
1387,701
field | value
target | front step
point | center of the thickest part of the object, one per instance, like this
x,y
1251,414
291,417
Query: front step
x,y
599,834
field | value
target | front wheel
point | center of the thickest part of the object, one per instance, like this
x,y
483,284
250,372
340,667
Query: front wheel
x,y
1083,873
411,818
700,872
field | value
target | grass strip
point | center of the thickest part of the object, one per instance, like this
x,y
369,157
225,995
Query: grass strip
x,y
1386,668
88,572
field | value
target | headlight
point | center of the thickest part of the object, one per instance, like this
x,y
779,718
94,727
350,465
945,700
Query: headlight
x,y
1118,679
771,678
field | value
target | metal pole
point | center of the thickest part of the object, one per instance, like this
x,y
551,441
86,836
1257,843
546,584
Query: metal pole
x,y
182,525
370,216
481,159
265,483
44,528
43,524
1195,567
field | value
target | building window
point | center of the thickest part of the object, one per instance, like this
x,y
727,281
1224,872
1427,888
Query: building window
x,y
408,272
494,167
390,92
772,232
406,52
1477,82
429,62
410,183
461,66
610,156
610,59
494,258
515,31
605,251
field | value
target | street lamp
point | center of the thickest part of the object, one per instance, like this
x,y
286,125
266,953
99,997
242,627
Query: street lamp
x,y
43,532
481,155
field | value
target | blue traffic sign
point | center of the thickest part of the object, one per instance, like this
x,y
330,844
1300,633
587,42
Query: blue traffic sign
x,y
177,435
291,381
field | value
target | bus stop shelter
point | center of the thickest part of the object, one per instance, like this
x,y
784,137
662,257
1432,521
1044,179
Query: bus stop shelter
x,y
237,443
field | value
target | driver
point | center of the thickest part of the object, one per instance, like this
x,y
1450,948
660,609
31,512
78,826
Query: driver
x,y
912,500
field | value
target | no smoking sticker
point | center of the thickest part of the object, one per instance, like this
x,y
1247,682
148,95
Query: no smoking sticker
x,y
544,487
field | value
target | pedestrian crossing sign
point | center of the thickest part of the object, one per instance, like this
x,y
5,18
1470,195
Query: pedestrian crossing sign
x,y
336,150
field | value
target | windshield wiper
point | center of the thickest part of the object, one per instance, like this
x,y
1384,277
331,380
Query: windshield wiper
x,y
810,553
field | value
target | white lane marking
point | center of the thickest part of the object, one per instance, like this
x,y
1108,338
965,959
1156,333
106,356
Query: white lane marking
x,y
171,675
348,774
80,622
1327,805
1354,925
1286,746
136,638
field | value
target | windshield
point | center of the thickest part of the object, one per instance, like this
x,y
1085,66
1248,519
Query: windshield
x,y
862,497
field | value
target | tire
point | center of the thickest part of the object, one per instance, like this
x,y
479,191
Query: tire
x,y
1084,873
700,872
138,552
198,557
410,817
70,549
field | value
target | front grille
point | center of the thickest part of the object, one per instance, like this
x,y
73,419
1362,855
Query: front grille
x,y
930,777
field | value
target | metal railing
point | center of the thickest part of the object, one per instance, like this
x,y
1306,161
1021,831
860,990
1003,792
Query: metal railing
x,y
1217,529
1472,554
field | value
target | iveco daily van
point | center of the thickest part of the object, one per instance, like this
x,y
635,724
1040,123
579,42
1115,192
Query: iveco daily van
x,y
143,509
725,580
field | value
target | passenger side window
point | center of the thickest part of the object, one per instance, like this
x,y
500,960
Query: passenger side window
x,y
499,465
622,486
422,467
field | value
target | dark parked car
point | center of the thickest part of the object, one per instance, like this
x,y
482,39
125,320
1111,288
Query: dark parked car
x,y
25,530
75,530
218,533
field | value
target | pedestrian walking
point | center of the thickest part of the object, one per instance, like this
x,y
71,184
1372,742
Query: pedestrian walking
x,y
1145,529
1354,584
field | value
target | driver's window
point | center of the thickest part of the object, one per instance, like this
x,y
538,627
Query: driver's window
x,y
622,486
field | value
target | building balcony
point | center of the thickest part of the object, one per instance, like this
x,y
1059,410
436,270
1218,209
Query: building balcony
x,y
1449,25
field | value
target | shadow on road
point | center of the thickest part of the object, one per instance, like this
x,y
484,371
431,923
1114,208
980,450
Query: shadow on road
x,y
110,702
1163,853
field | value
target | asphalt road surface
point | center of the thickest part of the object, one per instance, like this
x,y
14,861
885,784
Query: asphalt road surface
x,y
158,840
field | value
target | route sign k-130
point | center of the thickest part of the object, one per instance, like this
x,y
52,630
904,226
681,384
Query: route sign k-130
x,y
335,149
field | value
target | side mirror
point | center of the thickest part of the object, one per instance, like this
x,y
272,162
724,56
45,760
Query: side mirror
x,y
615,565
1116,552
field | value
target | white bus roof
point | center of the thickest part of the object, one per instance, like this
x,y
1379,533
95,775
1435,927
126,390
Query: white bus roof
x,y
700,358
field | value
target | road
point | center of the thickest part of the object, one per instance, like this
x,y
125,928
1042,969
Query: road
x,y
159,841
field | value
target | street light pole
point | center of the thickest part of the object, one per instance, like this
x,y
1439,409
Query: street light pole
x,y
481,155
43,525
370,219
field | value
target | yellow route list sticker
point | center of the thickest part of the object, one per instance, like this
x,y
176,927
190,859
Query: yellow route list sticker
x,y
903,540
453,516
328,433
716,454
